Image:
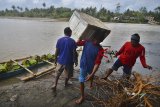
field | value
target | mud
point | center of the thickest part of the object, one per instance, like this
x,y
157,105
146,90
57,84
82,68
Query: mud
x,y
38,93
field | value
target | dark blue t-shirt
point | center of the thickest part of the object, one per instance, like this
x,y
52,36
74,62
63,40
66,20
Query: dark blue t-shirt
x,y
66,47
89,54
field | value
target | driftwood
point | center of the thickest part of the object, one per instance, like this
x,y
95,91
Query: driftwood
x,y
123,93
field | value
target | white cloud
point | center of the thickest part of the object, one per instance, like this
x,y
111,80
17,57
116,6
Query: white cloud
x,y
16,1
67,2
38,1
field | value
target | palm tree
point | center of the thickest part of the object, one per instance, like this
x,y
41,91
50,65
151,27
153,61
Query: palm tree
x,y
157,9
13,7
44,5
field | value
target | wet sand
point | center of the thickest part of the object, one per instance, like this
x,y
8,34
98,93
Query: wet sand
x,y
38,93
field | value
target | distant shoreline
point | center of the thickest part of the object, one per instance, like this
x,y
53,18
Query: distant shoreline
x,y
36,18
55,20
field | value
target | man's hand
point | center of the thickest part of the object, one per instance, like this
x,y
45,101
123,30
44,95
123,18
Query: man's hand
x,y
149,67
89,77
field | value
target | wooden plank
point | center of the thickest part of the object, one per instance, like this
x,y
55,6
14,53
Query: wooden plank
x,y
37,74
24,67
19,59
49,62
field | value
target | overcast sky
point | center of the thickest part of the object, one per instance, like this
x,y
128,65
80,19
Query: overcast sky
x,y
108,4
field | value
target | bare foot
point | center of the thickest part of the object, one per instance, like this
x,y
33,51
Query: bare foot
x,y
68,84
80,100
53,88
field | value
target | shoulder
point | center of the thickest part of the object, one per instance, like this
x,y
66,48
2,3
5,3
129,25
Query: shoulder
x,y
127,43
142,47
60,39
72,39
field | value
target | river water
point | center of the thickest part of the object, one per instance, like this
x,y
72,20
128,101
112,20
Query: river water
x,y
21,38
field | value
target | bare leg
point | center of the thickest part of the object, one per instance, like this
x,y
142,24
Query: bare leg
x,y
66,82
81,99
108,73
56,81
91,83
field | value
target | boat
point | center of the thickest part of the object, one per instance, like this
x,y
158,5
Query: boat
x,y
84,26
24,69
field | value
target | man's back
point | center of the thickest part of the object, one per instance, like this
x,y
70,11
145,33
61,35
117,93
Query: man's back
x,y
89,55
66,47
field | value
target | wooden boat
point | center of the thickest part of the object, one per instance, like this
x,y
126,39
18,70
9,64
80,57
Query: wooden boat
x,y
84,26
23,69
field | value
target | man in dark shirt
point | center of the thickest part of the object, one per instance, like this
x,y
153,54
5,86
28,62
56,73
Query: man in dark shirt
x,y
65,55
90,61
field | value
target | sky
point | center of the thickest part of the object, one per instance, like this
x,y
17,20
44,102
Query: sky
x,y
108,4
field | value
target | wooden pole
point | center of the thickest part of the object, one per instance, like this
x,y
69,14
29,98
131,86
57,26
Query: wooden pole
x,y
24,67
49,62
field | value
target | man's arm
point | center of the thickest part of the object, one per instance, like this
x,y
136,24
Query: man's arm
x,y
95,68
75,57
143,60
121,50
56,55
80,42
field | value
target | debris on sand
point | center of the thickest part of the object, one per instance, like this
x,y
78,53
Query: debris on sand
x,y
137,91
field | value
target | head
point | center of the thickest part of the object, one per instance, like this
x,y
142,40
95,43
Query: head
x,y
135,39
68,31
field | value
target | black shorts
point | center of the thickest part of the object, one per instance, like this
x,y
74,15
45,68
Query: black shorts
x,y
126,69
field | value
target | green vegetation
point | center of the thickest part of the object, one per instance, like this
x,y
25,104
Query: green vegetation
x,y
129,16
12,66
8,66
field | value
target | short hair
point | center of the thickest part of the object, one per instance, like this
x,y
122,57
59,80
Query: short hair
x,y
67,31
135,37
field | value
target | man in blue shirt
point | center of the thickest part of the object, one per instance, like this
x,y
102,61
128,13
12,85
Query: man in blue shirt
x,y
66,56
90,61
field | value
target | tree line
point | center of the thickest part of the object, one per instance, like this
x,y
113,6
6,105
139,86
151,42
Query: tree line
x,y
128,16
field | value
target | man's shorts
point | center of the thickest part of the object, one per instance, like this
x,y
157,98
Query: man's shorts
x,y
83,74
68,69
126,69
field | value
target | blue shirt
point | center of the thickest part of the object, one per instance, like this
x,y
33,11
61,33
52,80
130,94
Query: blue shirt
x,y
89,55
66,46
